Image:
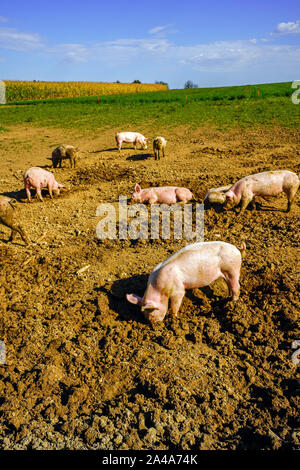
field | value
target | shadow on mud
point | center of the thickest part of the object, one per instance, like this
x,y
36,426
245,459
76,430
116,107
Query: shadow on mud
x,y
116,294
219,208
261,208
141,156
105,150
7,241
46,166
19,195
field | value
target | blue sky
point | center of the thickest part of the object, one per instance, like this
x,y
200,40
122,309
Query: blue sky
x,y
212,43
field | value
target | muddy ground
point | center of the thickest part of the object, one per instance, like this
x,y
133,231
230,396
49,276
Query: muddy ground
x,y
83,369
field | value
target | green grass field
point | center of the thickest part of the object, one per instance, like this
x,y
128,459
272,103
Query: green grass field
x,y
251,105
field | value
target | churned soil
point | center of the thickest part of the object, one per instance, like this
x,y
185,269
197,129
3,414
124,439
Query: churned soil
x,y
83,368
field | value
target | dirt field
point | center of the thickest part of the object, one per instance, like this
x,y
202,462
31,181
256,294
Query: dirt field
x,y
83,369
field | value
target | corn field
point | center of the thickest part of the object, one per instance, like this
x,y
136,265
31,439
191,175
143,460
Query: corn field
x,y
36,90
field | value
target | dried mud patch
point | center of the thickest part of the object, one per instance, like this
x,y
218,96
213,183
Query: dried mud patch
x,y
84,370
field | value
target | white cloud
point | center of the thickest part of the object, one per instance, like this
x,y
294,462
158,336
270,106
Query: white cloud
x,y
70,53
235,55
12,39
212,57
161,31
157,29
219,56
114,53
291,27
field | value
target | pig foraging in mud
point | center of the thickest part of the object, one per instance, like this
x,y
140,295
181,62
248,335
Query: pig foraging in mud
x,y
161,195
196,265
159,145
64,152
38,178
9,217
266,184
216,195
134,137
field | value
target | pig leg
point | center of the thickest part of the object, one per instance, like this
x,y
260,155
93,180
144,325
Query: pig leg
x,y
175,302
18,229
232,280
28,194
291,193
245,202
12,235
50,190
23,235
119,144
39,194
252,204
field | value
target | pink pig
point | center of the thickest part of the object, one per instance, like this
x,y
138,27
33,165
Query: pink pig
x,y
164,194
38,178
266,184
196,265
134,137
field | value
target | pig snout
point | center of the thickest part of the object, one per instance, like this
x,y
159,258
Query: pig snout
x,y
216,195
229,200
151,310
153,315
58,187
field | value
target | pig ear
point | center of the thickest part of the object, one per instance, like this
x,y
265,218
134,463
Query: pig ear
x,y
134,299
137,188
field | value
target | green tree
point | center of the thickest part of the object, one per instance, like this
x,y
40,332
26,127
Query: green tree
x,y
190,84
